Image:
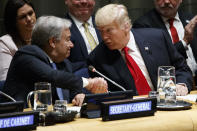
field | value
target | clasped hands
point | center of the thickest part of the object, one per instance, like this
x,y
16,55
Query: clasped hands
x,y
96,85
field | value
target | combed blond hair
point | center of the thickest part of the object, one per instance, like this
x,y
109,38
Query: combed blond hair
x,y
111,13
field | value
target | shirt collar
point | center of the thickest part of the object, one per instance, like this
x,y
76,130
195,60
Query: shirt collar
x,y
176,18
79,23
131,44
50,60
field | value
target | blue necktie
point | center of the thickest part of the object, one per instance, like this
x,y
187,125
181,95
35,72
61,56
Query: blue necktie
x,y
59,90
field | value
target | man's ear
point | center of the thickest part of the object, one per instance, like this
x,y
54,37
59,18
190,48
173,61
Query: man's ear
x,y
52,42
127,27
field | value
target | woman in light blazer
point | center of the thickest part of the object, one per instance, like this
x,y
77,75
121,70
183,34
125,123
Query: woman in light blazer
x,y
19,19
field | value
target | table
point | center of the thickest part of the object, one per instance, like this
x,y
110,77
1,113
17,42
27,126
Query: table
x,y
184,120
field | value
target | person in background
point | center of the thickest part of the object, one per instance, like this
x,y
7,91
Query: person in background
x,y
84,34
44,61
131,57
19,19
179,25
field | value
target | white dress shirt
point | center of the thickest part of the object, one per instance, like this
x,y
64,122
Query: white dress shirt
x,y
180,30
81,29
136,55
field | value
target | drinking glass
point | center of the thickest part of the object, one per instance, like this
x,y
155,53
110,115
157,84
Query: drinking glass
x,y
60,106
42,99
166,84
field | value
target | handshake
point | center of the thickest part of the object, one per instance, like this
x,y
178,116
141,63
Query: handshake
x,y
95,85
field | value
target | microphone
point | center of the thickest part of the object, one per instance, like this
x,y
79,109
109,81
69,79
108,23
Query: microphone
x,y
92,69
7,96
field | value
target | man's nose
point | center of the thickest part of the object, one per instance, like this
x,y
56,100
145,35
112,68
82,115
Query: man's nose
x,y
167,1
71,45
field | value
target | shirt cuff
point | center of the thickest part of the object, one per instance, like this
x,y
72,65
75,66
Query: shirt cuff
x,y
184,44
85,82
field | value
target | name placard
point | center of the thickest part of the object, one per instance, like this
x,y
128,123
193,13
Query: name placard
x,y
17,121
130,108
123,109
20,120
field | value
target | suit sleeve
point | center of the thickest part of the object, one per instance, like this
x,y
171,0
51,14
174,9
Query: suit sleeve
x,y
183,72
38,70
181,49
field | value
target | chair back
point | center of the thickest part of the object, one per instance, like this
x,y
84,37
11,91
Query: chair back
x,y
1,85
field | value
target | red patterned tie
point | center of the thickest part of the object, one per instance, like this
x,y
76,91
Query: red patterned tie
x,y
175,37
140,81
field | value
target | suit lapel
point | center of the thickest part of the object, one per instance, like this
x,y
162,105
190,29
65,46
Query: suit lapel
x,y
122,71
183,18
158,22
146,52
97,31
80,41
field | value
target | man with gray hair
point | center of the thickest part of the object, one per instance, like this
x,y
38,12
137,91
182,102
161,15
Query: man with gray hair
x,y
132,57
44,61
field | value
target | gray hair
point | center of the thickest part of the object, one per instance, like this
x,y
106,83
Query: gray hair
x,y
112,12
48,27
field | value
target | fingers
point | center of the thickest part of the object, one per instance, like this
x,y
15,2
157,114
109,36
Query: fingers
x,y
78,100
98,85
181,90
74,102
99,90
189,30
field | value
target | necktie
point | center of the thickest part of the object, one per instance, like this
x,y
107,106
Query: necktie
x,y
59,90
140,81
175,37
89,36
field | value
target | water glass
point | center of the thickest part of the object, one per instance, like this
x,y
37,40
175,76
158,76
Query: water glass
x,y
166,84
60,106
42,97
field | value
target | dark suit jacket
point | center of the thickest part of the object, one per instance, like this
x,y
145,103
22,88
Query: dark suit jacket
x,y
79,53
156,50
152,19
30,64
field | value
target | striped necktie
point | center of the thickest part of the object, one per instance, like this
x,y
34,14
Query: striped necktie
x,y
59,90
89,36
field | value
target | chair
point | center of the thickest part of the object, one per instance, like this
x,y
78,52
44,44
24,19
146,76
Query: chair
x,y
1,85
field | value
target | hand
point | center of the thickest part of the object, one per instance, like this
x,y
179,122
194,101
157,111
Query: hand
x,y
78,100
189,30
181,90
97,85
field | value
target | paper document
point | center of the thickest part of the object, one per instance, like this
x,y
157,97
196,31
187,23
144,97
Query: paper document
x,y
74,108
190,97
